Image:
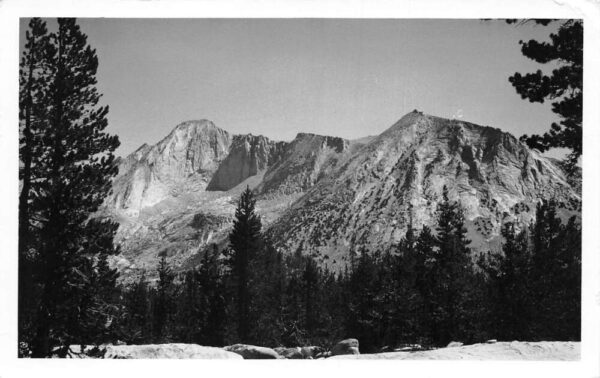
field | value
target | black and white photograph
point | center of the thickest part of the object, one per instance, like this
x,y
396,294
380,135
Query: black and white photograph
x,y
301,188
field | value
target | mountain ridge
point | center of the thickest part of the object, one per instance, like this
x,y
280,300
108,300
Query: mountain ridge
x,y
326,195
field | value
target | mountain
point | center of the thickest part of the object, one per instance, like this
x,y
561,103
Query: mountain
x,y
398,177
185,160
326,195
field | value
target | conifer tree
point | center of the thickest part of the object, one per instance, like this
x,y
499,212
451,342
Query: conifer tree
x,y
189,321
451,271
408,300
268,292
33,85
564,86
138,319
212,302
96,295
310,278
425,281
244,241
556,275
162,306
73,176
509,275
363,309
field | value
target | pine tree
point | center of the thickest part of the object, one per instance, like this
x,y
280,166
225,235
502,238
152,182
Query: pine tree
x,y
212,302
96,295
188,319
451,272
137,327
245,241
425,281
408,267
509,275
33,83
564,86
364,308
162,306
555,275
535,285
310,279
267,288
73,175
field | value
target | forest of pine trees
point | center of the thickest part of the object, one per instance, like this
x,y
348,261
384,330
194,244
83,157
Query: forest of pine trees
x,y
429,289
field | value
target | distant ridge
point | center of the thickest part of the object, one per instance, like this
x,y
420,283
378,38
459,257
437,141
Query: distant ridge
x,y
326,195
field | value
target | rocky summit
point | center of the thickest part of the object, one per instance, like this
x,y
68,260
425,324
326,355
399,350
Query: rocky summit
x,y
326,195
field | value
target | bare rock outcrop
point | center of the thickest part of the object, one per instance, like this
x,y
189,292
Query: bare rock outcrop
x,y
515,350
152,351
248,156
369,196
185,160
305,160
253,352
347,346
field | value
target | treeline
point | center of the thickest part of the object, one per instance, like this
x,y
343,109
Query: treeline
x,y
428,290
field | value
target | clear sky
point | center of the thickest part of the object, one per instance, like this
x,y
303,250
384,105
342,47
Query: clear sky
x,y
278,77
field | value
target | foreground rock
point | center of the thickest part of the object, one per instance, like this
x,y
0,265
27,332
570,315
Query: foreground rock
x,y
348,346
290,353
516,350
300,353
310,352
253,352
153,351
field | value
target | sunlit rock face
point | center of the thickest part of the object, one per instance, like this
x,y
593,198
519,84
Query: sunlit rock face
x,y
371,195
183,161
326,195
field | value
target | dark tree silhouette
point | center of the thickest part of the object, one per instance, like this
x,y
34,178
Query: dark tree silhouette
x,y
33,92
451,272
245,241
73,172
564,86
137,321
162,306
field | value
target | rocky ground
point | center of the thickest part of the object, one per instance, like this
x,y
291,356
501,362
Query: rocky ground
x,y
515,350
346,349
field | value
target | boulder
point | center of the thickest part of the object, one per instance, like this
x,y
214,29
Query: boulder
x,y
151,351
408,348
290,353
253,352
500,351
348,346
491,341
310,352
454,344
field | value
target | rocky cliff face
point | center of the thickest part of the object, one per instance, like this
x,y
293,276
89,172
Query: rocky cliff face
x,y
184,161
326,195
248,156
305,161
368,200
